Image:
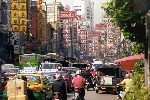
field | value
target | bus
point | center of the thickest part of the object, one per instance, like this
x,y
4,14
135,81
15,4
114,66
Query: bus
x,y
29,60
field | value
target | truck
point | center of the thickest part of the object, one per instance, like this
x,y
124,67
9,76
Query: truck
x,y
29,60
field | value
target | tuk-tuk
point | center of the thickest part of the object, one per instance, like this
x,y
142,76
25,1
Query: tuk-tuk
x,y
109,78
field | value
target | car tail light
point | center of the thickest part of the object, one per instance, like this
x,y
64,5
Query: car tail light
x,y
37,89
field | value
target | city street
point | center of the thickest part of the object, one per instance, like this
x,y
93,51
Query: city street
x,y
91,95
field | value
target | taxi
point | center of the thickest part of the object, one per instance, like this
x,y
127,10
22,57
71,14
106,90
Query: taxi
x,y
39,84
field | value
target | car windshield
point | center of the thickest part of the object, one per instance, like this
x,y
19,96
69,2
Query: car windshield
x,y
48,66
11,70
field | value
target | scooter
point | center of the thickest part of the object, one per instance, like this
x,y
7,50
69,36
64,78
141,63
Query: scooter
x,y
90,84
119,92
77,94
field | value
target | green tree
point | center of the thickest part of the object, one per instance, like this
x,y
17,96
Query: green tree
x,y
132,22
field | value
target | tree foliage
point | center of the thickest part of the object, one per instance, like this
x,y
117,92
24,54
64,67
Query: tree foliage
x,y
123,14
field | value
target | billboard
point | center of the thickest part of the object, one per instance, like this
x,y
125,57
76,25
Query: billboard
x,y
67,14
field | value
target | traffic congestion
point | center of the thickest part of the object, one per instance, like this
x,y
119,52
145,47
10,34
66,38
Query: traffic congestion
x,y
42,77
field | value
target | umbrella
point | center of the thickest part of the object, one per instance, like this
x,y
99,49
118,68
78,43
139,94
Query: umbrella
x,y
127,63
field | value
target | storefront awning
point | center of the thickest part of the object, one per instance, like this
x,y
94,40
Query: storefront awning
x,y
127,63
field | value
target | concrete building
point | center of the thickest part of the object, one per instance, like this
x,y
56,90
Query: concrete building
x,y
85,8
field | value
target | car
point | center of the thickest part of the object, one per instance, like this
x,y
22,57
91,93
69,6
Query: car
x,y
11,72
38,84
5,66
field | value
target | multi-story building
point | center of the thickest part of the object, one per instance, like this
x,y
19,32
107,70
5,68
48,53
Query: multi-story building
x,y
85,14
85,8
53,10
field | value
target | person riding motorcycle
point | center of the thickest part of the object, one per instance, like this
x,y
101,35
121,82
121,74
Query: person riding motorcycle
x,y
127,82
88,76
79,82
59,86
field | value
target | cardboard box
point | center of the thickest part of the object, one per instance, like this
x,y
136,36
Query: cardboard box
x,y
21,87
18,97
16,87
11,90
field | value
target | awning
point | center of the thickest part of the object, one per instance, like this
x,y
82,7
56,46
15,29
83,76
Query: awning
x,y
127,63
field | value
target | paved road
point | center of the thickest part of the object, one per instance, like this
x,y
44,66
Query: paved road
x,y
91,95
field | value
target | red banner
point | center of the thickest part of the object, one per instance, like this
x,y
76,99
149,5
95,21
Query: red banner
x,y
67,14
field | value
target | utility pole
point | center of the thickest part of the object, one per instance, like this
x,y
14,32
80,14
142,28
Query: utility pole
x,y
147,51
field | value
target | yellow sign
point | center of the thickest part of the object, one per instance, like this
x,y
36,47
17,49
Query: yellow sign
x,y
15,6
41,15
23,21
15,28
14,21
40,1
22,6
14,13
23,14
41,7
15,1
23,28
22,1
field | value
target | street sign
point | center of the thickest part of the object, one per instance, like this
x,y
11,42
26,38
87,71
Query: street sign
x,y
67,14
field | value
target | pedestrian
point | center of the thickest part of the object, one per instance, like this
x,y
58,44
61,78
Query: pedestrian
x,y
127,82
59,86
79,82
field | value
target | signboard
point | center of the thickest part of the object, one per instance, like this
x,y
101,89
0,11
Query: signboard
x,y
23,28
23,14
23,21
15,6
14,13
23,6
41,7
14,21
15,28
67,14
40,1
23,1
13,1
41,15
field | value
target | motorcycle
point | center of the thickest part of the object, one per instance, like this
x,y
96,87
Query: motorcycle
x,y
120,92
90,84
77,94
57,96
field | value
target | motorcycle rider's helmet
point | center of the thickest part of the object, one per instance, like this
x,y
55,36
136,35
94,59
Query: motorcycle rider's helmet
x,y
78,72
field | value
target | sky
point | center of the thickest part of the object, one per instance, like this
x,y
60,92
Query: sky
x,y
98,12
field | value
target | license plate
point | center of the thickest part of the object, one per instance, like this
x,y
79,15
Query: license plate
x,y
76,94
